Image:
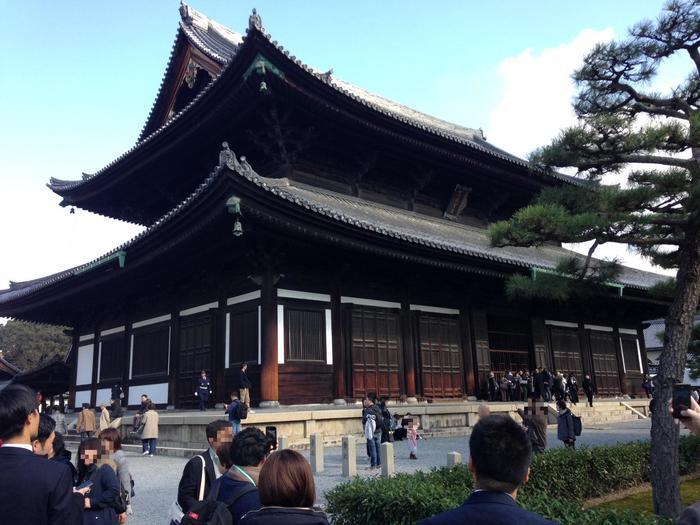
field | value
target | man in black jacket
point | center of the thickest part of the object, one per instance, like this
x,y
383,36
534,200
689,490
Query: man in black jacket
x,y
38,491
244,386
589,389
190,489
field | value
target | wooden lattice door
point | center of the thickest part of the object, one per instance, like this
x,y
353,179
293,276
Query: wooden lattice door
x,y
375,348
605,371
440,353
195,355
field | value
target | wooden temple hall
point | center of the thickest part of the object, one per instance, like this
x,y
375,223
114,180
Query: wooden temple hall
x,y
333,239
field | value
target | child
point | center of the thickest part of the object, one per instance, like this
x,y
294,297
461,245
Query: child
x,y
412,436
233,410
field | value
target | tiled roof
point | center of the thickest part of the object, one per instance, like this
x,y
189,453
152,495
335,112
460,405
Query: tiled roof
x,y
384,220
221,44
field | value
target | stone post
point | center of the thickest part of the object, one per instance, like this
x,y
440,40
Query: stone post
x,y
316,452
454,458
349,457
387,455
282,442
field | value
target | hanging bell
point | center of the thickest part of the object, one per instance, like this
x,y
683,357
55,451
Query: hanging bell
x,y
237,228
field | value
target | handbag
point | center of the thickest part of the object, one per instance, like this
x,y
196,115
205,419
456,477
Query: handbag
x,y
176,512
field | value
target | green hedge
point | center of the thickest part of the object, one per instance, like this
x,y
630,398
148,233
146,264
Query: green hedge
x,y
577,474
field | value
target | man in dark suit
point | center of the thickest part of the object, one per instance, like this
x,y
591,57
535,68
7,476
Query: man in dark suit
x,y
219,433
499,462
38,491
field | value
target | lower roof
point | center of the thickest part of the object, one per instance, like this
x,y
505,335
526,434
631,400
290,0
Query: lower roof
x,y
393,223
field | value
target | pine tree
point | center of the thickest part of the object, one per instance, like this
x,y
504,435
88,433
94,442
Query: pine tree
x,y
624,125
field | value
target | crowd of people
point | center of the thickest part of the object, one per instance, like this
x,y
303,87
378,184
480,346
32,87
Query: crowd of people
x,y
540,384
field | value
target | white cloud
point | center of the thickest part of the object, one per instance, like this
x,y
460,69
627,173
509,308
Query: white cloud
x,y
537,91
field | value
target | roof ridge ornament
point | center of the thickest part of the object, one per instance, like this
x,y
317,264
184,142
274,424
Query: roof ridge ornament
x,y
185,13
255,22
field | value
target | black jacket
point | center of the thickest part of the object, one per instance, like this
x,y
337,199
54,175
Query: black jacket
x,y
38,491
243,380
103,496
588,386
284,515
485,506
188,489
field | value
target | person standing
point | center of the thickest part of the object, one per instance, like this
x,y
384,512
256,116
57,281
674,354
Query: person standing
x,y
118,394
112,445
244,386
589,389
101,501
499,461
233,410
493,387
105,418
287,492
149,434
204,469
535,423
86,423
565,425
372,423
60,418
203,390
386,421
38,491
412,434
116,412
505,388
573,388
648,386
63,456
538,380
546,385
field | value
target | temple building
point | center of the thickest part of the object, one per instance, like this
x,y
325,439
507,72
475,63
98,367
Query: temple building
x,y
334,240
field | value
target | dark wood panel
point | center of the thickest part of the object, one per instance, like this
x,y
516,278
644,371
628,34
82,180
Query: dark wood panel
x,y
151,347
481,348
305,383
112,358
195,353
440,354
504,361
605,371
375,347
539,343
566,350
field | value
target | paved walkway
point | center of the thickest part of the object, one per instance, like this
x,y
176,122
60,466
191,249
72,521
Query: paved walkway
x,y
156,478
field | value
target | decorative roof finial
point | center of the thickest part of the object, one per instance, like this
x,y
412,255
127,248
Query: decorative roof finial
x,y
327,75
254,21
185,13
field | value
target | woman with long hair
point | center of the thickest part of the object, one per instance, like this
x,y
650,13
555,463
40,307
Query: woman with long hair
x,y
287,492
102,500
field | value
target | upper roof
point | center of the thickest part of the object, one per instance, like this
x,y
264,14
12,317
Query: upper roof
x,y
223,46
410,229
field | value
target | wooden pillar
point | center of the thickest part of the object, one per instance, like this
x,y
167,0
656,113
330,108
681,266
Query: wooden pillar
x,y
643,350
620,362
126,362
339,361
95,359
174,355
409,348
468,359
481,346
586,352
73,367
219,353
269,379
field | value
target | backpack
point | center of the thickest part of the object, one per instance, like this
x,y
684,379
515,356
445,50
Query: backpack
x,y
370,427
212,512
378,417
241,411
578,426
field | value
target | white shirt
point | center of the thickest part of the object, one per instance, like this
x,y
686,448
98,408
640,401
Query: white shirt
x,y
19,445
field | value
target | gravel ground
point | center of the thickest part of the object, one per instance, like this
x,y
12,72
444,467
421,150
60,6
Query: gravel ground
x,y
156,478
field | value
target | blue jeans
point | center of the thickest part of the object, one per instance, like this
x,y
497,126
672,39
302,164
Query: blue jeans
x,y
236,426
149,445
375,458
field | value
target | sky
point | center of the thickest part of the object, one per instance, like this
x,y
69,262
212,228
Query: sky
x,y
78,78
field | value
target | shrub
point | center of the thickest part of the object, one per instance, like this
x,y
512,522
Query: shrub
x,y
560,480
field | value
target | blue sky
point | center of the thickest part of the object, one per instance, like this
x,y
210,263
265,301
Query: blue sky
x,y
78,79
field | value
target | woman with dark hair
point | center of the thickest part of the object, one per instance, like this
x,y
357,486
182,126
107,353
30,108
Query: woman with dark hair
x,y
61,455
565,425
112,445
287,492
101,501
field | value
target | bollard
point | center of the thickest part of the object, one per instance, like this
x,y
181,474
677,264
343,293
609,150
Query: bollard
x,y
349,457
387,455
454,458
316,452
282,442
